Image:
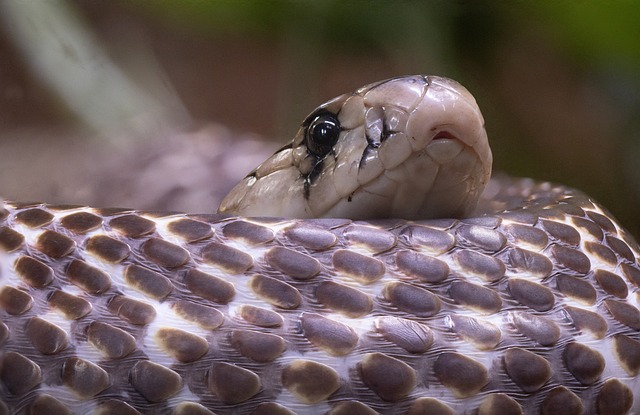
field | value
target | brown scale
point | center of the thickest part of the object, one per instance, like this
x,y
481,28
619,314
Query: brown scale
x,y
362,268
46,337
541,330
209,286
584,363
611,283
628,353
528,370
206,317
335,338
55,245
133,226
155,382
107,249
190,230
10,240
112,342
571,259
292,263
247,232
412,336
523,260
531,294
34,218
71,306
84,378
423,267
462,375
261,317
632,273
311,382
484,266
33,272
185,347
434,240
310,236
487,240
257,346
391,379
482,334
520,234
624,313
602,252
375,240
81,222
132,311
343,299
561,232
588,321
577,288
475,297
15,301
150,283
230,259
411,299
275,292
87,277
164,253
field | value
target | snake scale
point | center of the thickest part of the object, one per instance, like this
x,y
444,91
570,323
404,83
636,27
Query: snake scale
x,y
529,304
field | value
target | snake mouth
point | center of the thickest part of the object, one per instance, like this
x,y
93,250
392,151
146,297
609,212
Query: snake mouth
x,y
444,135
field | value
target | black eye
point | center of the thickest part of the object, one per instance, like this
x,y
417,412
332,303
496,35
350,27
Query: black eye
x,y
322,133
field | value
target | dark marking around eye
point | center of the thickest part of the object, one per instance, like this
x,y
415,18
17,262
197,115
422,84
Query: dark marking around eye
x,y
371,142
365,154
311,177
375,141
386,131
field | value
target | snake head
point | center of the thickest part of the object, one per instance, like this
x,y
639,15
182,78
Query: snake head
x,y
412,147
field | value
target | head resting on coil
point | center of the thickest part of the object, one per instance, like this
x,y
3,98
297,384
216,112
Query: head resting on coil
x,y
412,147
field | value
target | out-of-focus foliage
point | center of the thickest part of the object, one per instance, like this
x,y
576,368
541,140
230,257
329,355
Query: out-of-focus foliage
x,y
599,31
596,30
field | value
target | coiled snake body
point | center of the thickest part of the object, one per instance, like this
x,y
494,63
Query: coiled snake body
x,y
529,305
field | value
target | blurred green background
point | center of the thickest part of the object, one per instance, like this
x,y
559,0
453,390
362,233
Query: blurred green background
x,y
558,81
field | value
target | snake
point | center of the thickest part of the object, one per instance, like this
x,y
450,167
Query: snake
x,y
372,265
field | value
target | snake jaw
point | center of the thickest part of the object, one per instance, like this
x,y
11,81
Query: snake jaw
x,y
410,147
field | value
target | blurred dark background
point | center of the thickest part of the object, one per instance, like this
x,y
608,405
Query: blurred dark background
x,y
101,101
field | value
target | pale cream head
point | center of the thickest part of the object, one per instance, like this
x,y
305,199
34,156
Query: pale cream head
x,y
412,147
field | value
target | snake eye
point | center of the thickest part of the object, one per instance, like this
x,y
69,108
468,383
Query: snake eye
x,y
322,133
